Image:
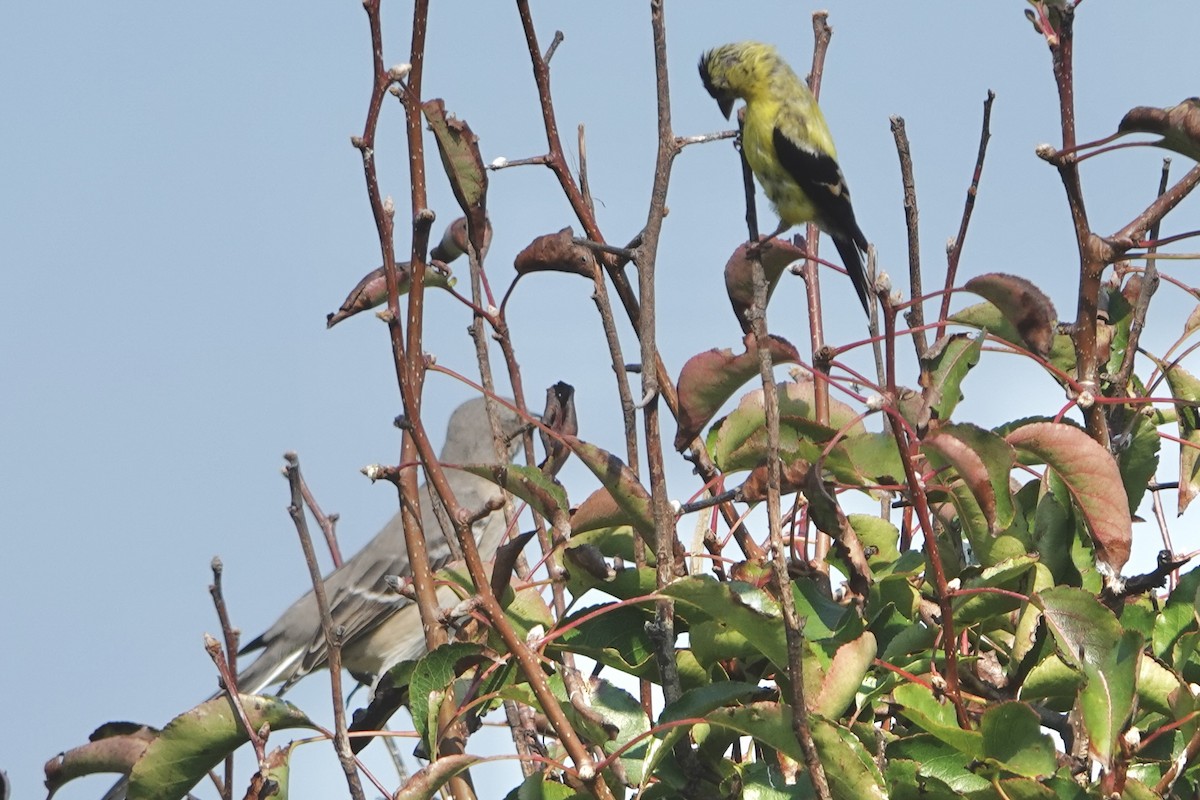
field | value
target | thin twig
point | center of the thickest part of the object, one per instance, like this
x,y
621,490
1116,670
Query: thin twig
x,y
333,639
954,253
915,316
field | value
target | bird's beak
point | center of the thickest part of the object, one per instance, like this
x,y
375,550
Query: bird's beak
x,y
726,105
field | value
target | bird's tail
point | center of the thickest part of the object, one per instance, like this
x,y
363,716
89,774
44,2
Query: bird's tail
x,y
851,251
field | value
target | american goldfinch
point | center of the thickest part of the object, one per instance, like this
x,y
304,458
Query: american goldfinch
x,y
788,146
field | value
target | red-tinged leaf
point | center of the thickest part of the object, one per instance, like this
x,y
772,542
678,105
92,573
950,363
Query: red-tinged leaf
x,y
459,148
791,478
1186,391
558,419
988,318
1193,321
113,747
1178,125
556,252
844,677
1023,304
598,510
709,379
983,460
776,255
827,515
1091,474
371,291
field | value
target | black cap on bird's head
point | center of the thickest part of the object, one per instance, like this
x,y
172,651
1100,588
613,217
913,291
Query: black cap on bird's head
x,y
719,92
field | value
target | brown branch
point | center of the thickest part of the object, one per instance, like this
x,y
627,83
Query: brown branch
x,y
915,316
1092,253
652,377
232,645
327,524
333,640
258,738
954,254
1141,306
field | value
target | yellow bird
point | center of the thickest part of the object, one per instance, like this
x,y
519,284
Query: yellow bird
x,y
788,146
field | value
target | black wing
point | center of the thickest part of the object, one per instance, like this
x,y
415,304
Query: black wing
x,y
819,175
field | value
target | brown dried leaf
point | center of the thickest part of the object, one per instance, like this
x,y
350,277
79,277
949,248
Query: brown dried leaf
x,y
1178,125
371,291
1023,304
556,252
776,255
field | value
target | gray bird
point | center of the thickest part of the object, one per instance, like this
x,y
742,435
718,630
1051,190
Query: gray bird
x,y
382,628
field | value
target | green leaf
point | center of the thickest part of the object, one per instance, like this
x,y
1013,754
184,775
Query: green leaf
x,y
1013,740
617,638
695,704
1107,697
907,781
849,768
424,785
1186,391
947,364
459,148
431,677
625,721
935,716
738,607
1138,460
1086,631
538,787
1009,574
939,765
199,739
1179,615
621,482
542,492
989,318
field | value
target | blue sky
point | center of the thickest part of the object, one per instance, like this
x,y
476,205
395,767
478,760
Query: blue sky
x,y
183,207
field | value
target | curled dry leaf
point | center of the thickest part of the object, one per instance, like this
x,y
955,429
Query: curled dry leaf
x,y
371,291
454,241
1178,125
776,255
1023,304
829,518
556,252
558,420
113,747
